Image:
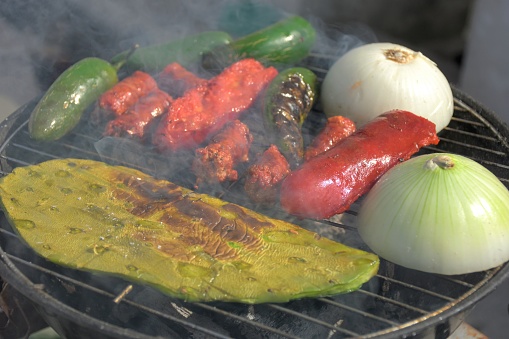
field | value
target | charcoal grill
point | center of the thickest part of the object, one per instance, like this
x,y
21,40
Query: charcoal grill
x,y
397,302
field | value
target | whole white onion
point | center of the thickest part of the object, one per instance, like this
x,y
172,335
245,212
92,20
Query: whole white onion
x,y
378,77
439,213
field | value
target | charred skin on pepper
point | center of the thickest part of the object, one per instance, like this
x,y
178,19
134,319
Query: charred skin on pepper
x,y
286,105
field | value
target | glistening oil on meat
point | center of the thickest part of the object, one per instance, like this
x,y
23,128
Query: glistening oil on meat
x,y
118,221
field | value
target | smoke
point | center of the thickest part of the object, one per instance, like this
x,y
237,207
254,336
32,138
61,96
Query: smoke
x,y
64,31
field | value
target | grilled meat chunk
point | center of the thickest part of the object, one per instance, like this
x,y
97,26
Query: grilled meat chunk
x,y
136,121
117,100
217,161
176,80
205,109
265,176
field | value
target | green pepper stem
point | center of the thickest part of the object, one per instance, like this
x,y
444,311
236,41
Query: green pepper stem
x,y
117,65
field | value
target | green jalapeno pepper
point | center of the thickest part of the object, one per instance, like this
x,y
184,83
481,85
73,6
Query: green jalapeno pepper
x,y
185,51
62,106
280,45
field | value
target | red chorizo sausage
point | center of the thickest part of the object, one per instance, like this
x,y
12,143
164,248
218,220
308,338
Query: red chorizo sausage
x,y
204,110
176,80
330,182
126,93
336,129
136,121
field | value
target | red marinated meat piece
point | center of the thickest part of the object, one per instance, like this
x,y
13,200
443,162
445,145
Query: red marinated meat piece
x,y
217,161
330,182
125,93
264,177
176,80
204,110
136,120
336,129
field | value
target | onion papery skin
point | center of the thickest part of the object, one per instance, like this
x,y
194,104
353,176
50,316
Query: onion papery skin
x,y
365,82
446,220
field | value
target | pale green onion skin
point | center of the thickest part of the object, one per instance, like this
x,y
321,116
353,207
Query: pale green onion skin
x,y
442,220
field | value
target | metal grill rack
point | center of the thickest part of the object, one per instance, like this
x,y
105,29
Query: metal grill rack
x,y
396,302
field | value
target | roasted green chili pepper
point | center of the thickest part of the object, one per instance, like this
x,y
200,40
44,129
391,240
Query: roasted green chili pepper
x,y
115,220
286,104
281,44
185,51
63,104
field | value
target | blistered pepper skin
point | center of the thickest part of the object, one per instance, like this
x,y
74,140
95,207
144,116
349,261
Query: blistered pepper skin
x,y
287,103
329,183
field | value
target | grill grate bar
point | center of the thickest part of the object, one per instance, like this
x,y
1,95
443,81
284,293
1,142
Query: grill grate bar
x,y
12,160
341,225
316,321
9,233
505,181
495,164
484,121
394,302
92,154
367,314
466,121
15,160
458,281
471,134
484,149
245,320
7,141
417,288
31,149
321,56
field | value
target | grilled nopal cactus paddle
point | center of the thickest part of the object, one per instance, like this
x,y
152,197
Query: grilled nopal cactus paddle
x,y
96,217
